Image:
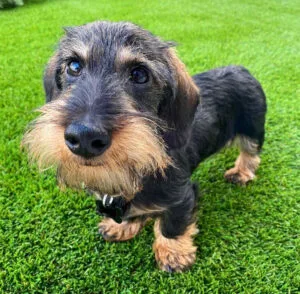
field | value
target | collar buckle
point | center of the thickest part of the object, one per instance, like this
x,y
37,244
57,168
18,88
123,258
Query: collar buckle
x,y
111,206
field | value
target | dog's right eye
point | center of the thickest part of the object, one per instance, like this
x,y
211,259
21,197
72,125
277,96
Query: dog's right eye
x,y
139,75
74,68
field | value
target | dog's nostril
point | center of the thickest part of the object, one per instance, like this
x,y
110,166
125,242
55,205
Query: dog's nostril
x,y
72,140
98,144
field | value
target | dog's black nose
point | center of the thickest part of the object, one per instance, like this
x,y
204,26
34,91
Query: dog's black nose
x,y
86,141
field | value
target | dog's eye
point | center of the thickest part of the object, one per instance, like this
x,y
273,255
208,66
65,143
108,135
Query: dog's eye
x,y
139,75
74,68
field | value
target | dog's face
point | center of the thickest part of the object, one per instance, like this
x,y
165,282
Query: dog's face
x,y
117,99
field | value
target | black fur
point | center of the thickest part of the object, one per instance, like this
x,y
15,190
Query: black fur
x,y
232,104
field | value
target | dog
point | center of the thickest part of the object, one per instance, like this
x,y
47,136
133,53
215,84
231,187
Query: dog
x,y
125,120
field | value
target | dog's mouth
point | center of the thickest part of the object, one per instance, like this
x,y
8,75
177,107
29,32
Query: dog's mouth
x,y
89,162
81,161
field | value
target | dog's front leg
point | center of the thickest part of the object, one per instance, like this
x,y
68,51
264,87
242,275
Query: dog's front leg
x,y
173,247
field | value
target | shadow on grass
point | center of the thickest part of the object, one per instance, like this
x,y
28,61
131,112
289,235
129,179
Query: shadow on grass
x,y
35,2
28,2
9,5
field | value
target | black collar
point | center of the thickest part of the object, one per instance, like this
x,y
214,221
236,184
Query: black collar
x,y
111,206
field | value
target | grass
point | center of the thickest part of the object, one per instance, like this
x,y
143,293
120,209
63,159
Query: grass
x,y
249,237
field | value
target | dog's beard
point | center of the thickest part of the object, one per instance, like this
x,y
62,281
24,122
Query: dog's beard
x,y
136,151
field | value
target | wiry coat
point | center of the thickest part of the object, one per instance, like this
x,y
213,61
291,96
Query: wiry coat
x,y
158,130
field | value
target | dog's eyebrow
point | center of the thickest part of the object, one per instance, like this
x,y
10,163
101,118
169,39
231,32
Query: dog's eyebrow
x,y
127,56
78,50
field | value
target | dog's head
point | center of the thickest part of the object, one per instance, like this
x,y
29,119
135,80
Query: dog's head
x,y
117,99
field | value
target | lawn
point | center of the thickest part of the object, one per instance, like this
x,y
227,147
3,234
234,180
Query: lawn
x,y
249,236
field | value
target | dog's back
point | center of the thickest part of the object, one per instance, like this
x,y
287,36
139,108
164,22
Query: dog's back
x,y
232,105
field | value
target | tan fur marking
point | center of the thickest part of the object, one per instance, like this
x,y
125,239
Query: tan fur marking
x,y
244,169
125,55
174,254
184,80
44,136
139,211
112,231
79,47
136,151
51,66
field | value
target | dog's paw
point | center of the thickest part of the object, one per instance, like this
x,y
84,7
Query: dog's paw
x,y
170,260
244,169
175,255
239,176
112,231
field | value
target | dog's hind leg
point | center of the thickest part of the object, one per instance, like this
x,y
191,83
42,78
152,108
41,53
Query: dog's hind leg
x,y
246,163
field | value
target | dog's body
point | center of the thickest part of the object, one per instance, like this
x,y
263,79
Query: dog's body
x,y
232,107
143,136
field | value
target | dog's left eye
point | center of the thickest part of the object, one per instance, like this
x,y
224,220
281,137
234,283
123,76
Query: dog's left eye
x,y
139,75
74,68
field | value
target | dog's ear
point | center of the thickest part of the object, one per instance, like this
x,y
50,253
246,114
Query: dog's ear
x,y
180,103
52,84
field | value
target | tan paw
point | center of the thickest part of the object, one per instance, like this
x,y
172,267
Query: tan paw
x,y
112,231
175,255
244,169
238,176
170,261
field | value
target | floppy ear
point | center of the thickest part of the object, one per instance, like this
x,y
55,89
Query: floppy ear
x,y
179,109
52,84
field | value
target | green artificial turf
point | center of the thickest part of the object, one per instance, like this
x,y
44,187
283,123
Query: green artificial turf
x,y
249,236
